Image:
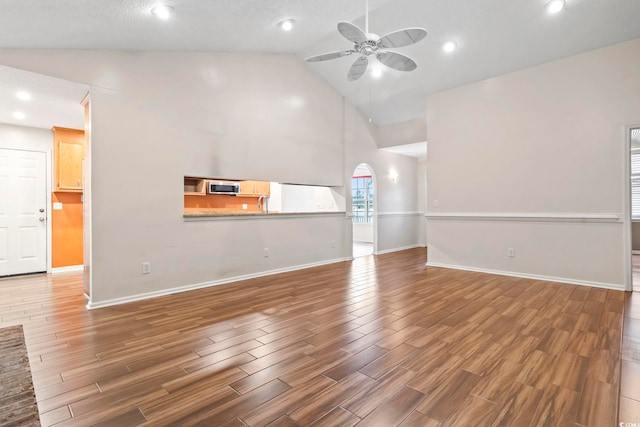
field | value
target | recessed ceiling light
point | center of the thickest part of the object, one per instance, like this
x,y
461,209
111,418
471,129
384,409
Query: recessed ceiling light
x,y
376,72
449,46
555,6
162,12
19,115
287,24
23,96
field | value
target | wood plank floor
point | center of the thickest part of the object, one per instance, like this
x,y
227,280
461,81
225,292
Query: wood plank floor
x,y
380,341
630,383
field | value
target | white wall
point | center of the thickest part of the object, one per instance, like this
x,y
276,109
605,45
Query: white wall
x,y
326,199
275,197
303,198
307,198
298,198
26,138
408,132
546,143
158,116
422,201
363,232
266,111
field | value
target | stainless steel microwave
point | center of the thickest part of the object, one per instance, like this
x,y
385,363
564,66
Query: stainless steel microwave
x,y
220,187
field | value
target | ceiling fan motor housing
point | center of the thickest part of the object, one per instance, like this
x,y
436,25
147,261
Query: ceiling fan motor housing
x,y
368,47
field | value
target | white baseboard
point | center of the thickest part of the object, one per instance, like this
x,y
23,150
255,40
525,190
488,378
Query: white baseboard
x,y
139,297
68,269
635,252
403,248
530,276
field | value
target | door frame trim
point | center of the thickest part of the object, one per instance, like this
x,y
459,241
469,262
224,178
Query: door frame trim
x,y
627,239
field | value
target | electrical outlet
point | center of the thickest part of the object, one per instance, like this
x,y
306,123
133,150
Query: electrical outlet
x,y
244,206
436,203
333,243
146,268
511,252
266,252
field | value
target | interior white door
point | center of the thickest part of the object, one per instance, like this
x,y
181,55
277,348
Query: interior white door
x,y
23,216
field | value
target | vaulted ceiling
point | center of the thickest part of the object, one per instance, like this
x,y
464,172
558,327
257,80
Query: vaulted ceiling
x,y
493,36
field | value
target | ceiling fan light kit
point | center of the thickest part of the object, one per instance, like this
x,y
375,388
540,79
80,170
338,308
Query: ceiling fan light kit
x,y
162,12
449,46
366,44
555,6
287,24
376,72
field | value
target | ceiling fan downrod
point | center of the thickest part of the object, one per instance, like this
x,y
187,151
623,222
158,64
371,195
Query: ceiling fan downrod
x,y
366,17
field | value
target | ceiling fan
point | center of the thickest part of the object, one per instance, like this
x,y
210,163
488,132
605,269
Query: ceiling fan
x,y
367,44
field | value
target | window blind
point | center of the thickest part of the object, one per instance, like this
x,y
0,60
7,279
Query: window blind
x,y
635,183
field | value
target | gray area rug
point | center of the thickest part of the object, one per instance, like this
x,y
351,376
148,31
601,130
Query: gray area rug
x,y
18,405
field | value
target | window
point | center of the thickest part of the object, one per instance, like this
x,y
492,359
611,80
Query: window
x,y
635,178
362,199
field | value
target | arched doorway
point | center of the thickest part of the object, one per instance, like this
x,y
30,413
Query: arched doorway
x,y
363,193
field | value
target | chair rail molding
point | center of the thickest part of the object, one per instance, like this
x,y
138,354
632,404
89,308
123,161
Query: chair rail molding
x,y
527,216
392,214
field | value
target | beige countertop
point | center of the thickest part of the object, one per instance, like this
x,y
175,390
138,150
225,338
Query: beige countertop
x,y
251,214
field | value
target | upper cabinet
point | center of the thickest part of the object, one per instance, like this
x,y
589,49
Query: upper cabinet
x,y
68,153
254,188
262,188
195,186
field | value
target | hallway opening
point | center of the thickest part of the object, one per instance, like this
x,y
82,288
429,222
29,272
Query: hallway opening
x,y
363,208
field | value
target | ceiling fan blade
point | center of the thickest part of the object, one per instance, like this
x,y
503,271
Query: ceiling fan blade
x,y
403,37
397,61
358,68
330,55
351,32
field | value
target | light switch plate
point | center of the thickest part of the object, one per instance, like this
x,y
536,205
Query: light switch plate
x,y
57,206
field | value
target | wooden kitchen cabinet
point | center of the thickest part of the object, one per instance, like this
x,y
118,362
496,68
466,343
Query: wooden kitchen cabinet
x,y
246,188
262,188
195,186
68,153
254,188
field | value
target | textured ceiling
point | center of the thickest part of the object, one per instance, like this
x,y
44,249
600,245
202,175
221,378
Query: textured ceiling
x,y
196,25
54,102
416,149
494,36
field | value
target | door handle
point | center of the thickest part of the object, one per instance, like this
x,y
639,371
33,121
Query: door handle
x,y
41,218
41,210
